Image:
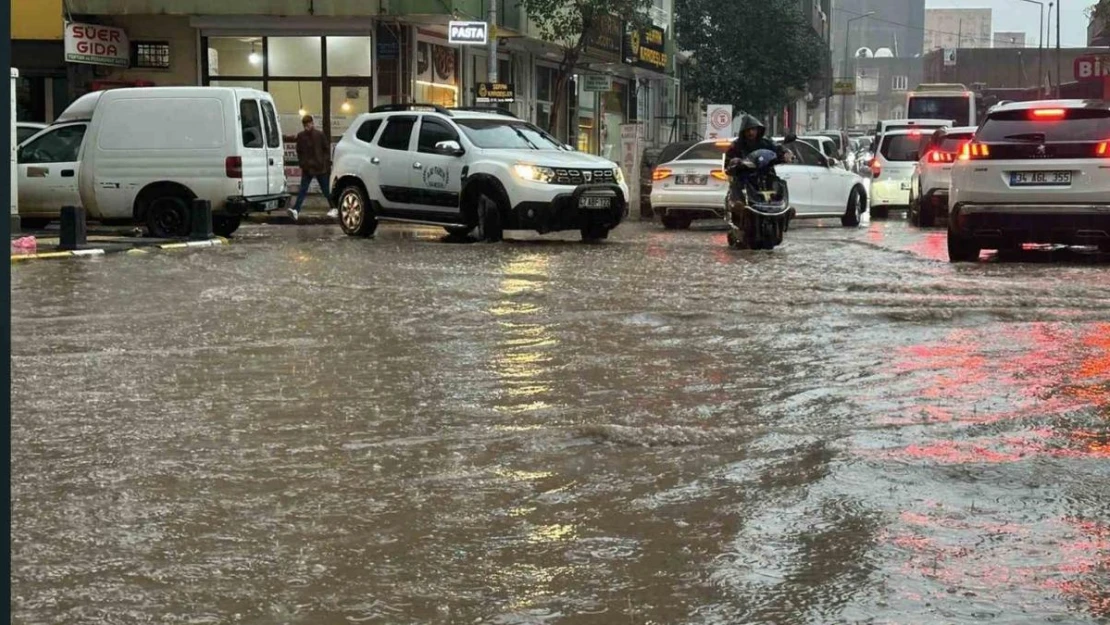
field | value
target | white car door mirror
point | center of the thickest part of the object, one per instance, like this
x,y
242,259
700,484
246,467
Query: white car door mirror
x,y
450,148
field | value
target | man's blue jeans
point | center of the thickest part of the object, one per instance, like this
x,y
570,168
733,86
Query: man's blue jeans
x,y
306,181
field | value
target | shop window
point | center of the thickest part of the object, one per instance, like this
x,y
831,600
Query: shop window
x,y
436,74
150,54
432,131
545,95
368,130
294,56
295,99
587,129
397,133
243,84
346,103
900,83
349,56
235,56
394,76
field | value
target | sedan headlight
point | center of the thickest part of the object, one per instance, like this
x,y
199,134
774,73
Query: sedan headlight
x,y
533,173
618,175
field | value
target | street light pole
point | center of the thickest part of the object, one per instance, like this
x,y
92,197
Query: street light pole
x,y
1059,14
1048,92
844,69
1040,42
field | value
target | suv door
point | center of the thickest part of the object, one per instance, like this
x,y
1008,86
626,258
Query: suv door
x,y
48,165
395,159
436,177
275,151
252,139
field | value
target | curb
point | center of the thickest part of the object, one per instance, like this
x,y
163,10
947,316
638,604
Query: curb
x,y
16,258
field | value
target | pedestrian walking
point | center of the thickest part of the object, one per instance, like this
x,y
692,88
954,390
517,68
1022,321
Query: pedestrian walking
x,y
314,156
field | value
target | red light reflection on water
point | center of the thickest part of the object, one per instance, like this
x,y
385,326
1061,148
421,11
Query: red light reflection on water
x,y
934,246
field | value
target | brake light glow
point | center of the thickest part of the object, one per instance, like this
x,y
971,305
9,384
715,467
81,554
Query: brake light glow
x,y
1048,113
661,173
719,174
972,151
723,144
1103,149
233,167
939,156
876,168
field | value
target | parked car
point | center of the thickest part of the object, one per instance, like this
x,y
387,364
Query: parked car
x,y
1035,172
932,175
142,155
695,185
466,170
25,130
892,169
651,159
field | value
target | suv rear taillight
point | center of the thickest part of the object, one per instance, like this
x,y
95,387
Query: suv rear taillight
x,y
233,167
974,151
940,156
1103,149
876,168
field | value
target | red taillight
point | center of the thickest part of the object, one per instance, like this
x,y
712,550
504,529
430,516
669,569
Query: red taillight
x,y
876,168
660,173
233,167
719,174
1048,113
1103,149
938,156
973,151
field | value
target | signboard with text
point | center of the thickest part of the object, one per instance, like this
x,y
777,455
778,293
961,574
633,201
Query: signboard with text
x,y
647,48
495,93
468,33
1092,68
605,39
597,82
844,87
718,121
97,45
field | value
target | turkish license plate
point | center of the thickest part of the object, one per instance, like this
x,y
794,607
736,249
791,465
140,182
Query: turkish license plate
x,y
905,186
594,202
691,179
1040,179
270,205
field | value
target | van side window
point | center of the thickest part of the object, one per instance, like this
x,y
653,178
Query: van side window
x,y
273,137
432,131
397,133
59,146
252,124
368,129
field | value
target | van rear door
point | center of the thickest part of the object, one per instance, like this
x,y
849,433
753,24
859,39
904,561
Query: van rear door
x,y
275,150
254,160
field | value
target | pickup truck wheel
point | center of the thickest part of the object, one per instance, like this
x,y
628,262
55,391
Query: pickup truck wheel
x,y
167,217
355,216
489,220
225,225
595,233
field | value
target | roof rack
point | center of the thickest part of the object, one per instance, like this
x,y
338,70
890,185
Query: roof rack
x,y
496,110
412,106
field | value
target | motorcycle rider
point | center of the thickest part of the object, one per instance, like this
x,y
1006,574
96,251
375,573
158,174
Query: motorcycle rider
x,y
752,137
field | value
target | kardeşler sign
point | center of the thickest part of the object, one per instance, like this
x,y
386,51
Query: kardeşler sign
x,y
495,93
97,45
647,48
468,33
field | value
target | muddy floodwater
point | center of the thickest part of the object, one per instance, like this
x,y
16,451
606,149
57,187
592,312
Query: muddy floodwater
x,y
305,428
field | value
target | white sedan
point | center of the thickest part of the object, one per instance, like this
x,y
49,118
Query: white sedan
x,y
694,186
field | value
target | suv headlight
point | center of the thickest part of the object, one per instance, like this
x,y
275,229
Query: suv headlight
x,y
533,173
618,175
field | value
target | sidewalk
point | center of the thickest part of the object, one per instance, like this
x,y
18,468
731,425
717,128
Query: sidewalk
x,y
314,212
46,246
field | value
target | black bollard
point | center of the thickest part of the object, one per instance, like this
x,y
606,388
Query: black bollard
x,y
200,218
75,234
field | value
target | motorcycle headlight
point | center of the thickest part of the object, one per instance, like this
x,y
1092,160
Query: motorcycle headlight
x,y
618,175
533,173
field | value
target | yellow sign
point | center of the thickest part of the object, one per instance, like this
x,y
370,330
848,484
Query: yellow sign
x,y
844,87
37,19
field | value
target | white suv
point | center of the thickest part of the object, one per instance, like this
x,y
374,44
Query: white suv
x,y
932,176
1036,172
465,169
892,169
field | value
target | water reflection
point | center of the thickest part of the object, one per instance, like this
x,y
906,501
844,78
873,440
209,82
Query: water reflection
x,y
527,343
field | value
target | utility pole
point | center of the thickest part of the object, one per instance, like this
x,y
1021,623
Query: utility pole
x,y
491,31
1059,14
832,77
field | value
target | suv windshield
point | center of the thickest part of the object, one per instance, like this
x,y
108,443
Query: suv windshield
x,y
500,134
903,147
1079,125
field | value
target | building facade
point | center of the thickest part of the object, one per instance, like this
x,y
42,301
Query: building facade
x,y
1009,39
958,28
38,53
1002,69
881,88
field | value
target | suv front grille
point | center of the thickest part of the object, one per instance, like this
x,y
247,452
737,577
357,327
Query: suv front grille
x,y
583,176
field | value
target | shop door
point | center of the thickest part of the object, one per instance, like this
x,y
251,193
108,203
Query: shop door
x,y
347,99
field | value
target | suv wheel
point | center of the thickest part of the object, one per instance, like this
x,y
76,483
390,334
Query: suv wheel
x,y
489,219
595,232
676,223
961,250
880,212
354,212
225,225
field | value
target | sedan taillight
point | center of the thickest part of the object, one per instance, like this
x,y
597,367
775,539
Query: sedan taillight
x,y
660,173
719,174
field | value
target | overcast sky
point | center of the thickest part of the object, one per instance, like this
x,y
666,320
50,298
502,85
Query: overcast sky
x,y
1017,15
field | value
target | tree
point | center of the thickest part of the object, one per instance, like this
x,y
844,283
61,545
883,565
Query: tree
x,y
572,25
1100,11
748,53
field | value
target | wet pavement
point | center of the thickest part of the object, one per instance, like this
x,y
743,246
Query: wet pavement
x,y
307,428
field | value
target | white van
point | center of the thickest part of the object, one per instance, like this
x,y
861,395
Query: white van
x,y
142,155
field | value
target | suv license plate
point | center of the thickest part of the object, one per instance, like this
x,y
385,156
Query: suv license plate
x,y
590,201
1040,179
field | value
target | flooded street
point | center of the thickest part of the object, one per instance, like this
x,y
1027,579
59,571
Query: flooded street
x,y
307,428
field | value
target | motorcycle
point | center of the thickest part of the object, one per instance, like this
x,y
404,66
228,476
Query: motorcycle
x,y
757,219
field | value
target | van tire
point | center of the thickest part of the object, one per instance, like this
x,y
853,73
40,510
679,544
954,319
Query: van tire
x,y
167,217
225,225
355,214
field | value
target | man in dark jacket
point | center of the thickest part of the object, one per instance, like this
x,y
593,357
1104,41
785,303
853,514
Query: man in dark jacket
x,y
752,137
314,158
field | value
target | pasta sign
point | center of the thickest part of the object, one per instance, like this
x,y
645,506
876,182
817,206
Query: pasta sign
x,y
97,45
